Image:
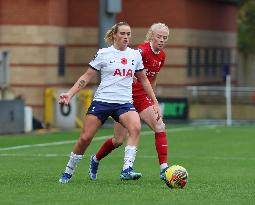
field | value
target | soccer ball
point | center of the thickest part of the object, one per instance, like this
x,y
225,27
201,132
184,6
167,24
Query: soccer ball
x,y
176,176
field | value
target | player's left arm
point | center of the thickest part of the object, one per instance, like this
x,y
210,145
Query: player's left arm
x,y
154,82
141,75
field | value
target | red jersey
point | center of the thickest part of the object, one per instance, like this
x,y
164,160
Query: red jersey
x,y
152,64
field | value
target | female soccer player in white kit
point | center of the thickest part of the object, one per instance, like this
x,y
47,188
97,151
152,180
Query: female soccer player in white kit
x,y
153,57
118,64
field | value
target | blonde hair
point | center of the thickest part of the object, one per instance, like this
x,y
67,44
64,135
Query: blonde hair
x,y
154,27
109,34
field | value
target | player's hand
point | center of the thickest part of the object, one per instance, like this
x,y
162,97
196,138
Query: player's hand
x,y
157,111
134,79
64,98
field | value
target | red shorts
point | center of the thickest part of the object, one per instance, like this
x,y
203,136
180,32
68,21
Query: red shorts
x,y
142,102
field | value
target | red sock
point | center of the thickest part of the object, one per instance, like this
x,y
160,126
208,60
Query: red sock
x,y
161,146
106,148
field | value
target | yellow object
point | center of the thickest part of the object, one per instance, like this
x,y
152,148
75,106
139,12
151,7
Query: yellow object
x,y
79,122
86,97
49,96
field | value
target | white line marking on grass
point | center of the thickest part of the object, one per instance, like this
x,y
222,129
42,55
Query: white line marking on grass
x,y
95,139
34,155
48,144
140,156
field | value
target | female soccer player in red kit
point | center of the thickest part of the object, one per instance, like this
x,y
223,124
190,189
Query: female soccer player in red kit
x,y
153,58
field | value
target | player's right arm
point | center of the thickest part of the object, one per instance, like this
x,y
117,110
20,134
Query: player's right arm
x,y
94,66
65,98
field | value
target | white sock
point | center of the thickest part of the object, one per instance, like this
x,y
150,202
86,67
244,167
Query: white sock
x,y
95,159
72,163
129,158
163,166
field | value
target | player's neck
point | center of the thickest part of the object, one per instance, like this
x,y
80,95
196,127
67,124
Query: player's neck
x,y
120,48
153,50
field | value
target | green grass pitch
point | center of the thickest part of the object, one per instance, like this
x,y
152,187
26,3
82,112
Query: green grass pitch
x,y
220,161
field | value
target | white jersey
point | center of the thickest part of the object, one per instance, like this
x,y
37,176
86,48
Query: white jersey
x,y
117,72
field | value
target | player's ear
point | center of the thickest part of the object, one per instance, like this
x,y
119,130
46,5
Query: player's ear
x,y
114,35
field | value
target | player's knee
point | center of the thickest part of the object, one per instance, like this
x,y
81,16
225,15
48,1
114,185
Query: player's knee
x,y
85,141
118,141
135,129
160,127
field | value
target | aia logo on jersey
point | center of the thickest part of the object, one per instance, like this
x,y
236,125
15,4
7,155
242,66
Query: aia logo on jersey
x,y
124,61
123,72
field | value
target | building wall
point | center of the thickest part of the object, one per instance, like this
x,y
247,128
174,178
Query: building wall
x,y
246,74
33,31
